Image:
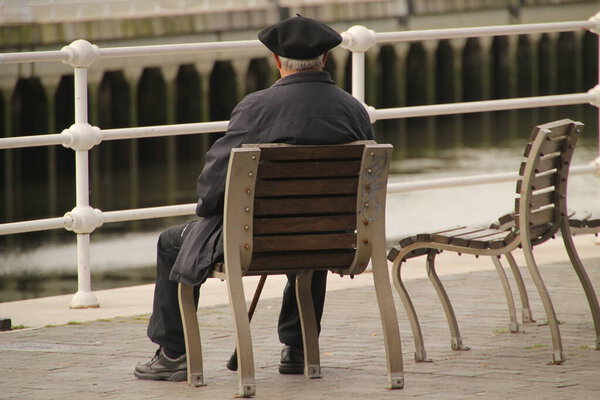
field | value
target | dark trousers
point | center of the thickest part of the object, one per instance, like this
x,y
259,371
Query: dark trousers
x,y
165,327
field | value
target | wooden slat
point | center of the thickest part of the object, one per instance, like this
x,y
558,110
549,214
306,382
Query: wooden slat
x,y
447,237
299,260
304,206
539,182
311,152
545,216
538,200
542,217
306,187
308,169
332,223
547,163
464,240
305,242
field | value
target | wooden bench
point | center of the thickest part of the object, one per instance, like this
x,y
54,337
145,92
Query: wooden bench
x,y
540,211
297,209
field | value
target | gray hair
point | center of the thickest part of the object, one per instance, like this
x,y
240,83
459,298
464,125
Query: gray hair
x,y
301,65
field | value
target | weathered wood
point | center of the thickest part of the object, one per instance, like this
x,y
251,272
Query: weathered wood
x,y
538,200
288,261
304,205
308,169
279,152
539,182
447,237
305,242
332,223
305,187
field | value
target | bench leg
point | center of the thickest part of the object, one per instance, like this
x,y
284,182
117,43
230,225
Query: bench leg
x,y
389,318
420,353
526,315
510,301
237,302
584,279
191,333
456,341
308,321
558,357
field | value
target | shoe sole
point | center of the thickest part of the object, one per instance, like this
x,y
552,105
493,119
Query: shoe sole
x,y
177,376
291,369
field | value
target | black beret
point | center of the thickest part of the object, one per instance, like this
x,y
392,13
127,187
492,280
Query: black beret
x,y
300,38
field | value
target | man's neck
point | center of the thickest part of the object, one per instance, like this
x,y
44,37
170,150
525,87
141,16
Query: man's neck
x,y
286,72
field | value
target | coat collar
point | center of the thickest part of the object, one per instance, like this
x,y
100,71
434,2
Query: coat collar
x,y
305,76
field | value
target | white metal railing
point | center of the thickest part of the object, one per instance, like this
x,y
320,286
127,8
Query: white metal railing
x,y
81,136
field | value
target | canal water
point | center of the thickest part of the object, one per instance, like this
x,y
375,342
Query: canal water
x,y
44,263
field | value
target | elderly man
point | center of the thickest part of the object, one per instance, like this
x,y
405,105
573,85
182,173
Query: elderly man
x,y
303,107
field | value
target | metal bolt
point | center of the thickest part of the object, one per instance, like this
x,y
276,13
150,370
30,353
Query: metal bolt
x,y
250,174
372,154
366,241
366,204
254,157
246,227
369,170
247,209
246,246
248,191
365,222
367,187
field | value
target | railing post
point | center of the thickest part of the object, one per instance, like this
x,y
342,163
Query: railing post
x,y
83,137
358,40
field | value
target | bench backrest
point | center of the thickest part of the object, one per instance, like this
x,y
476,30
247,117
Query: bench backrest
x,y
291,207
542,190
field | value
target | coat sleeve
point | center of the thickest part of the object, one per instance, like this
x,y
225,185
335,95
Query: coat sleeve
x,y
211,182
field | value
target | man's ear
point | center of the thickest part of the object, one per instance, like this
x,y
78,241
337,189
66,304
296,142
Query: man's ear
x,y
277,60
325,56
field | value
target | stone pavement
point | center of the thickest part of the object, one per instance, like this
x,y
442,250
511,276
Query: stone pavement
x,y
95,360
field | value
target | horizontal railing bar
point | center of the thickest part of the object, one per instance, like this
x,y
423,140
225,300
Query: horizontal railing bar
x,y
36,225
163,130
190,208
455,33
484,105
33,141
383,113
180,48
33,56
404,187
149,212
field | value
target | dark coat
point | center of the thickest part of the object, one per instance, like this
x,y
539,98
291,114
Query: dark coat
x,y
302,108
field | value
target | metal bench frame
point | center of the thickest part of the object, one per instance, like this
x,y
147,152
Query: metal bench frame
x,y
262,186
540,211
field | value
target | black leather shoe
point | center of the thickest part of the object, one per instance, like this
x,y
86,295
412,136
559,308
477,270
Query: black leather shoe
x,y
292,361
232,363
162,368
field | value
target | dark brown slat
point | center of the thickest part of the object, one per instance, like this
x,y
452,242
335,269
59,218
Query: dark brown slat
x,y
447,237
304,206
291,260
310,152
548,163
309,169
538,200
553,145
306,187
263,226
545,216
496,243
542,217
539,182
331,241
464,240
